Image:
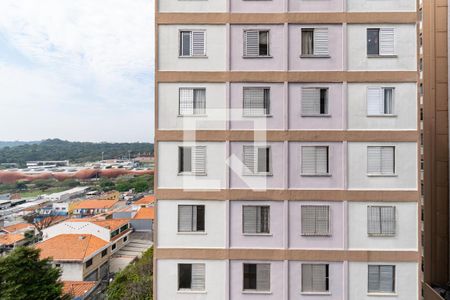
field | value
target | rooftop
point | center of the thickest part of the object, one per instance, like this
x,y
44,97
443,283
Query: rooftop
x,y
95,204
18,227
71,247
145,213
78,288
111,224
146,200
10,238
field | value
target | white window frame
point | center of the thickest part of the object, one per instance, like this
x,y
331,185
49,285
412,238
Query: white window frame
x,y
245,52
193,219
379,220
198,168
389,50
316,232
248,170
380,290
314,269
318,104
258,289
371,91
191,46
199,268
258,209
246,111
316,174
324,53
195,112
382,173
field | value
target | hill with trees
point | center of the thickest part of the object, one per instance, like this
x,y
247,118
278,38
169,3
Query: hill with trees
x,y
76,152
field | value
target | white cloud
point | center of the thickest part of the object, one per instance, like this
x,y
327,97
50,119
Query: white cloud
x,y
78,56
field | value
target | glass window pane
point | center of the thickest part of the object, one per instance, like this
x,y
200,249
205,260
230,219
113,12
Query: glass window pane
x,y
373,41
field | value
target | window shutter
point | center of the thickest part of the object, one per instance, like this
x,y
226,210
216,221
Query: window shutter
x,y
186,101
198,43
374,101
321,41
310,101
387,220
199,160
308,220
250,219
307,278
386,278
249,160
373,220
251,43
387,40
387,160
319,278
256,102
198,277
263,277
373,160
184,218
308,160
199,103
374,279
322,220
321,160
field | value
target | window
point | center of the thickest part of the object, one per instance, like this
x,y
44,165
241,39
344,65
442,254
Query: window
x,y
58,265
381,220
315,42
314,101
256,43
380,41
191,277
381,279
192,101
315,220
255,219
113,247
381,160
257,160
192,160
191,218
256,101
123,228
380,101
125,239
315,160
89,263
315,278
192,43
257,277
104,252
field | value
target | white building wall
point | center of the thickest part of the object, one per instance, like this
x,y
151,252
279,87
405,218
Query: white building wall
x,y
192,6
167,274
71,271
405,108
215,225
215,60
406,282
405,49
381,5
168,176
76,228
406,237
405,177
168,106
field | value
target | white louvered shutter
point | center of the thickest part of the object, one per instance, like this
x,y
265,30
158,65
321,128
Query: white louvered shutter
x,y
250,215
387,220
308,220
322,220
254,104
263,277
374,279
249,160
251,43
373,160
321,160
199,160
387,279
198,43
375,101
307,278
319,278
185,218
308,160
310,101
387,160
387,41
198,277
373,220
186,106
321,41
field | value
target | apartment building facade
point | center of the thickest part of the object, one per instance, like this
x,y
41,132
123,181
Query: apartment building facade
x,y
287,150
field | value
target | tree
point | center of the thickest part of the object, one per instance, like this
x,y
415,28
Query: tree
x,y
21,186
23,276
41,222
135,281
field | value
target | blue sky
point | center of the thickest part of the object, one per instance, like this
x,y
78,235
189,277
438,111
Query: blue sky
x,y
77,70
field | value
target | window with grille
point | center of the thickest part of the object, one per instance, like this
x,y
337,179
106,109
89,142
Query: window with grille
x,y
315,220
380,41
191,277
381,279
315,160
256,43
192,160
381,160
381,220
192,43
257,160
192,101
314,101
380,101
191,218
256,101
255,219
315,42
315,278
256,277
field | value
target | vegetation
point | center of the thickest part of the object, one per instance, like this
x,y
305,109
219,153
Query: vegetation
x,y
78,152
23,276
139,184
135,281
15,143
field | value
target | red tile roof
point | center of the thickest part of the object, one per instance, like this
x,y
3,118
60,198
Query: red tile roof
x,y
78,288
18,227
146,200
11,238
145,213
95,204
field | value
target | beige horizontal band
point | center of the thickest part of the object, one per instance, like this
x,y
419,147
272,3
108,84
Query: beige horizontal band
x,y
281,76
290,195
293,136
293,18
279,254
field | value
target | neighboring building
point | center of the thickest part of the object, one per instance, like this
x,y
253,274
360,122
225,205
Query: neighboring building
x,y
67,195
79,290
146,201
87,208
18,228
9,241
143,220
287,150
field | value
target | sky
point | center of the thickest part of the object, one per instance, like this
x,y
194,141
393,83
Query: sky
x,y
76,70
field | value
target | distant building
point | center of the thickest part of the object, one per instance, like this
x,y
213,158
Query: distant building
x,y
67,195
86,208
79,290
9,241
46,163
